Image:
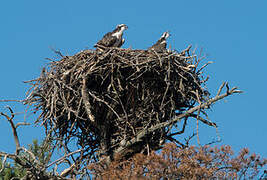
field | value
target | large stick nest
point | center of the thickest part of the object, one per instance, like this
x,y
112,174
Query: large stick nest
x,y
105,98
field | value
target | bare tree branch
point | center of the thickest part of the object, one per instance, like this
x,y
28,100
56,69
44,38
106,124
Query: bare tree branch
x,y
86,102
14,130
144,132
22,124
11,100
3,164
204,120
64,157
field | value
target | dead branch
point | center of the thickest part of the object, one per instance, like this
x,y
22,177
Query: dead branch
x,y
3,163
86,102
64,157
10,100
22,124
188,113
204,120
14,129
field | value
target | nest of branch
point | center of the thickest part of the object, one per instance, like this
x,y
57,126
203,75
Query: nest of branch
x,y
105,98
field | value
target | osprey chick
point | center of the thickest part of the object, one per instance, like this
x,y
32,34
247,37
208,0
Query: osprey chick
x,y
112,39
160,45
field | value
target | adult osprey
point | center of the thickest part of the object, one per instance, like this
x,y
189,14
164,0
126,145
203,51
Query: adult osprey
x,y
112,39
160,45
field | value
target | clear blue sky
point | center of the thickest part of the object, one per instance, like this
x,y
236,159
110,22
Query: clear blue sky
x,y
232,33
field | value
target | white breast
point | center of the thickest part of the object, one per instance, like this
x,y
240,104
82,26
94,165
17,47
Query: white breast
x,y
117,34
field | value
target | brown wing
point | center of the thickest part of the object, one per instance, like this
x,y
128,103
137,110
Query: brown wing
x,y
159,46
107,41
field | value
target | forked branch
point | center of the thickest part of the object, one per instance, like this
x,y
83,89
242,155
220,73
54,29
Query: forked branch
x,y
205,105
13,126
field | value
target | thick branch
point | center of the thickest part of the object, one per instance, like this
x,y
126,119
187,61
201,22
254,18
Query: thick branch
x,y
86,102
143,133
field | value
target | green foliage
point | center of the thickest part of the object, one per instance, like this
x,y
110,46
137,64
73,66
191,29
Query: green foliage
x,y
10,171
42,152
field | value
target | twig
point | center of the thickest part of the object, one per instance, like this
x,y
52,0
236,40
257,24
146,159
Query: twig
x,y
11,100
22,124
188,139
3,164
198,115
57,52
182,130
66,171
14,130
200,69
31,154
204,120
220,89
176,141
64,157
100,100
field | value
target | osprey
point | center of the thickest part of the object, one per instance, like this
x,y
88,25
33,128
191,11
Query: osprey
x,y
112,39
160,45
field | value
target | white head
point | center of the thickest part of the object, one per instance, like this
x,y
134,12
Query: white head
x,y
165,35
119,30
122,27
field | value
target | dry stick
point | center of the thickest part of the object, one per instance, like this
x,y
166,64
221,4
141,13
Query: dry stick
x,y
22,124
124,111
126,60
160,60
144,132
204,120
57,52
200,69
65,85
77,115
168,84
186,50
14,130
220,89
66,172
176,141
86,102
182,131
6,100
3,164
189,138
198,61
198,113
64,157
101,100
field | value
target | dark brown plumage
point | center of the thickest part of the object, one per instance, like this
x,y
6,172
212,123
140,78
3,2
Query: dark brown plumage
x,y
161,44
112,39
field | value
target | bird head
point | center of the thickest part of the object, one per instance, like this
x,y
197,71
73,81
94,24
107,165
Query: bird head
x,y
122,27
165,35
